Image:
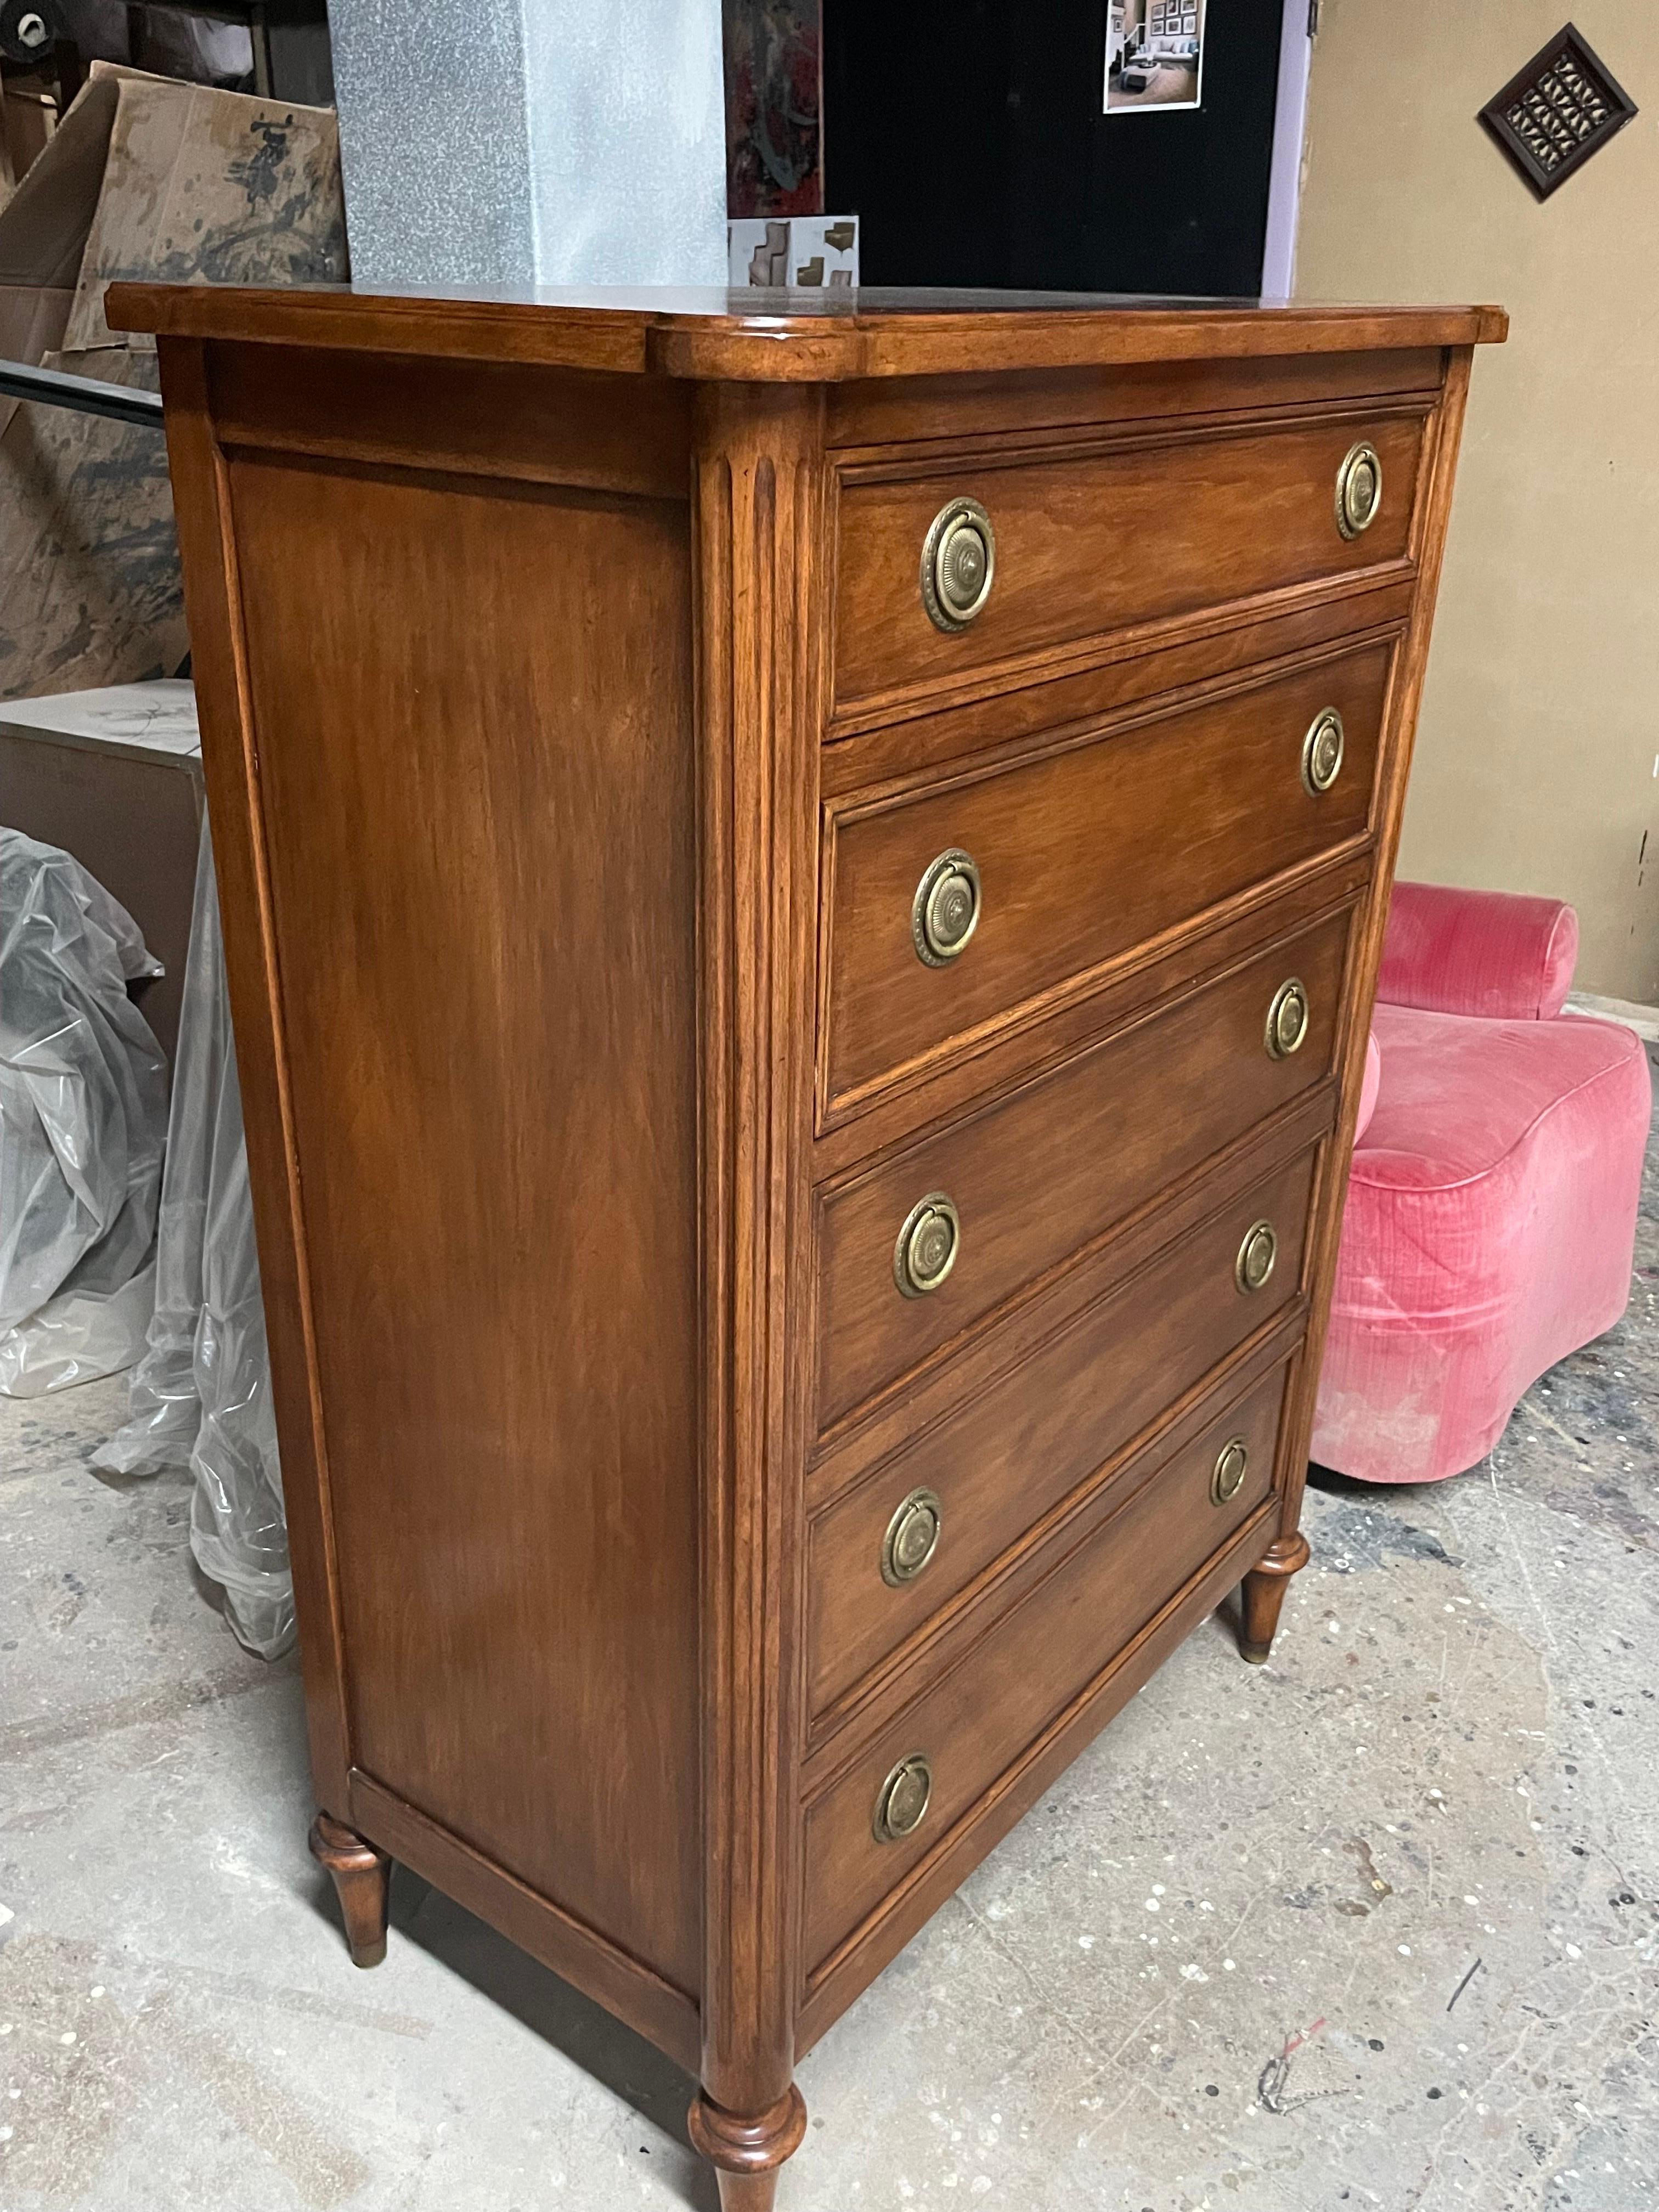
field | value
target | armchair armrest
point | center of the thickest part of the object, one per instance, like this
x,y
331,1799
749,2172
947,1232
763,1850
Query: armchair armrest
x,y
1490,953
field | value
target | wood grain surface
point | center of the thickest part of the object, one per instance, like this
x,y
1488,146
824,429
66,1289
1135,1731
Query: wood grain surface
x,y
1007,1456
589,1072
960,406
478,809
715,335
758,497
1090,541
984,1710
1037,1175
1060,835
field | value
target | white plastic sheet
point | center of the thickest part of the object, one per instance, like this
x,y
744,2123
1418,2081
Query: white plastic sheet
x,y
83,1110
201,1396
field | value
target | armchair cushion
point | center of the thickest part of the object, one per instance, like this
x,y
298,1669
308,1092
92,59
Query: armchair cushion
x,y
1457,1102
1490,1218
1493,954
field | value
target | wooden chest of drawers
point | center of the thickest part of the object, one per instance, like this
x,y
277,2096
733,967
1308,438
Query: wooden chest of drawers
x,y
802,894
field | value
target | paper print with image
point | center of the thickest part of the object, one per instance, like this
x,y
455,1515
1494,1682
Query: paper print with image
x,y
1154,56
798,251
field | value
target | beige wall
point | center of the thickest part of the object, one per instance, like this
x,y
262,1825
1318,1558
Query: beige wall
x,y
1537,744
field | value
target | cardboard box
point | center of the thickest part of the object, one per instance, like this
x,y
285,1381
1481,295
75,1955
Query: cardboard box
x,y
144,176
115,777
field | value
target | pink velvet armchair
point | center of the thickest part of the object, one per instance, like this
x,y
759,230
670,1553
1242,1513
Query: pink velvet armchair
x,y
1492,1210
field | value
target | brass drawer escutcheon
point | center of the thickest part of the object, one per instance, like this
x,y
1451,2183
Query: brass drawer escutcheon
x,y
912,1538
1359,489
958,564
1321,752
1257,1255
1287,1019
1228,1478
945,912
902,1800
927,1245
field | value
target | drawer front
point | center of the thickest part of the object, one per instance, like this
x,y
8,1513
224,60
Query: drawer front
x,y
972,1484
982,1713
1037,1174
1080,855
1086,544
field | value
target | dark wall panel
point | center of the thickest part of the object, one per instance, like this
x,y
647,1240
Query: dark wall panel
x,y
968,134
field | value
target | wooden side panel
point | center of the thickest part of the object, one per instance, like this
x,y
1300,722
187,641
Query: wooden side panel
x,y
472,706
231,772
496,418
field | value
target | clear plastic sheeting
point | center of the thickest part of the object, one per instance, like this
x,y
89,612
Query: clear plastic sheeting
x,y
83,1113
201,1394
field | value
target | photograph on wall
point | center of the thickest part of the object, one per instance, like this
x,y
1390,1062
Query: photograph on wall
x,y
1154,56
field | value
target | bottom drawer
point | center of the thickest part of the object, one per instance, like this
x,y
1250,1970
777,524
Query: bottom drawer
x,y
931,1764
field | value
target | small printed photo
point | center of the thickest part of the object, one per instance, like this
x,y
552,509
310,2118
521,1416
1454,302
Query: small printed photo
x,y
795,252
1154,56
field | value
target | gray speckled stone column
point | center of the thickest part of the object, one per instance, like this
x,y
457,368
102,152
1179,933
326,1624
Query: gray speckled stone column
x,y
514,143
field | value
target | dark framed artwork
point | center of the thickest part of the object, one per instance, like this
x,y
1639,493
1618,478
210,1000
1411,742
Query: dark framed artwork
x,y
1557,110
773,110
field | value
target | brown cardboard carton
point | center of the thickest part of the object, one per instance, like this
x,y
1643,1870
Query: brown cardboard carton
x,y
144,176
114,776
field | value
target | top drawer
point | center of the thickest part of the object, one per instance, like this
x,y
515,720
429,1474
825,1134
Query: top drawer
x,y
1139,532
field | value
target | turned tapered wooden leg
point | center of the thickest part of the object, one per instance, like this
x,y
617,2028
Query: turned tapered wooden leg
x,y
362,1882
746,2153
1263,1594
749,2192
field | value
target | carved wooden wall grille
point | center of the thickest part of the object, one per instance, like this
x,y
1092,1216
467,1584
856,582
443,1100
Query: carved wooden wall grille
x,y
1560,109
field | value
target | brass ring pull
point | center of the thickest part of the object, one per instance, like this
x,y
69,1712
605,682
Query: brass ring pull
x,y
1228,1478
927,1245
958,564
912,1538
902,1800
1322,753
1358,488
945,912
1287,1019
1257,1255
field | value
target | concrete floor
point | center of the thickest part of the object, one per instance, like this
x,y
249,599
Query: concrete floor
x,y
1374,1926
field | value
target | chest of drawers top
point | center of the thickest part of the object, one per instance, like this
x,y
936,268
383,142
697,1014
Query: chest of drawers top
x,y
805,336
802,884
